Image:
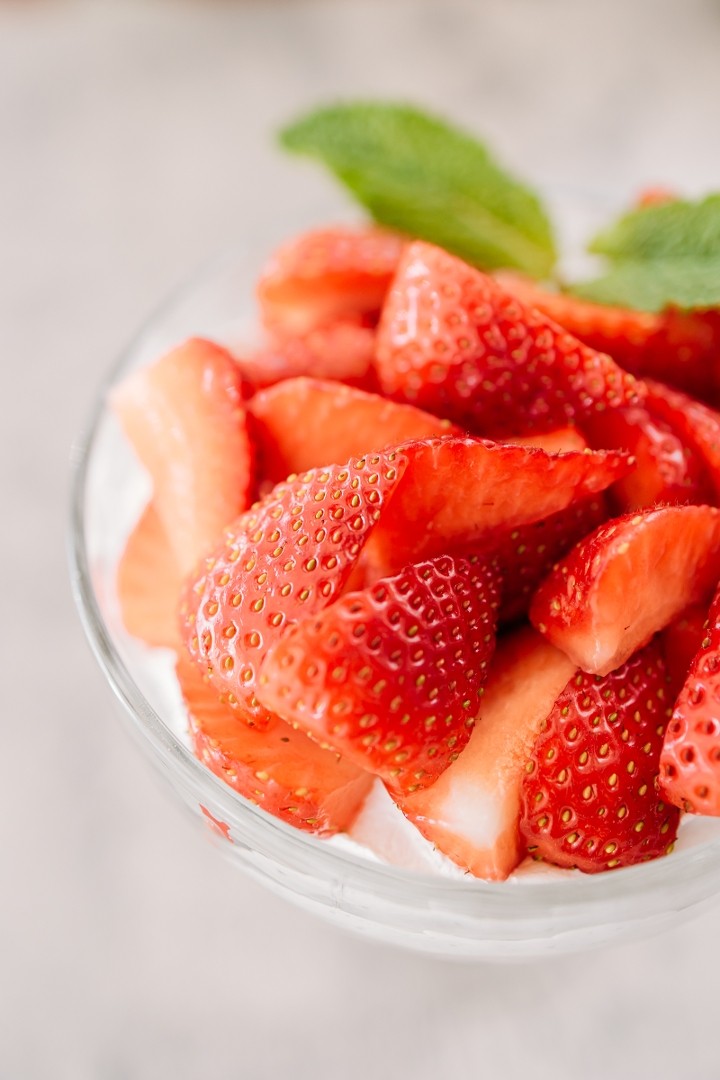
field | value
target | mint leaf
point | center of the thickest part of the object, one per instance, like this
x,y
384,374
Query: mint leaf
x,y
660,256
416,174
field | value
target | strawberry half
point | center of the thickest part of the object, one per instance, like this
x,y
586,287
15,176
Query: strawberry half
x,y
392,676
468,492
149,582
678,347
277,768
185,418
682,640
327,274
690,761
302,423
589,798
471,813
286,559
627,580
452,341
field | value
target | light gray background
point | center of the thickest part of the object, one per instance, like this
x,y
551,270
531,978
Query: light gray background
x,y
134,140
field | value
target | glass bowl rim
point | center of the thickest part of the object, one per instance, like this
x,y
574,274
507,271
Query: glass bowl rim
x,y
529,898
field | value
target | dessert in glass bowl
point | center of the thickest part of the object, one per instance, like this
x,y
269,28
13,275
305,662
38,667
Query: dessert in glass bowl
x,y
413,601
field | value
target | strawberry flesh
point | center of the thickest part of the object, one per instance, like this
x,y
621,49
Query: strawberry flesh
x,y
277,768
472,812
344,351
589,798
327,274
391,677
627,580
452,341
696,424
149,582
302,423
185,418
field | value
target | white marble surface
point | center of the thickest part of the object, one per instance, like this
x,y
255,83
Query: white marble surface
x,y
134,140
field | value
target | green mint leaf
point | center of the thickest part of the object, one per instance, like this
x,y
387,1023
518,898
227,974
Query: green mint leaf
x,y
659,256
416,174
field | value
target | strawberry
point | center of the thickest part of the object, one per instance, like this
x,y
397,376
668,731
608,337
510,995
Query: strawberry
x,y
452,341
149,582
285,559
557,441
185,419
696,424
627,580
276,768
468,492
471,813
302,423
343,350
527,554
681,641
666,469
327,274
589,797
690,760
391,677
678,347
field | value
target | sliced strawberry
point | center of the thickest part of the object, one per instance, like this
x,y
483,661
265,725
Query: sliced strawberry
x,y
284,560
452,341
303,423
462,491
326,274
626,581
391,677
681,641
149,583
677,347
277,768
526,556
343,350
589,799
185,419
690,761
471,813
667,470
696,424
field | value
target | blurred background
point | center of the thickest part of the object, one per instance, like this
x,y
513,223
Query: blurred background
x,y
136,138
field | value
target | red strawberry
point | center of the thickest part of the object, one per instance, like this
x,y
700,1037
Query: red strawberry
x,y
678,347
185,419
626,581
526,555
690,761
277,768
666,469
452,341
391,677
149,582
286,559
302,423
557,441
343,350
681,641
696,424
590,800
327,274
461,492
471,813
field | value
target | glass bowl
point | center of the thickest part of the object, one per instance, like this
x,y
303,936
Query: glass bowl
x,y
457,917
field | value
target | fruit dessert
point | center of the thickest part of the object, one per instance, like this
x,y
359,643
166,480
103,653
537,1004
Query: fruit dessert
x,y
439,561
